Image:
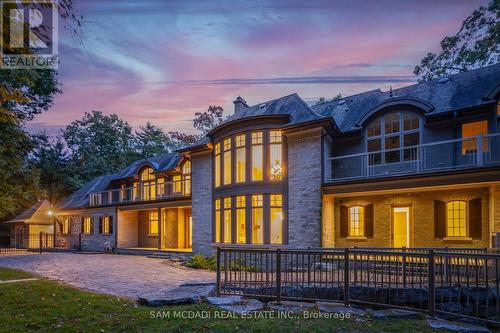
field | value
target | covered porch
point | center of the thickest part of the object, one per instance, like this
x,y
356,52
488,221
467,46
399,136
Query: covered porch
x,y
153,229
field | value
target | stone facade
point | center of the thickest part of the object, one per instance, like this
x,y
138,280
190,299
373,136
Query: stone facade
x,y
93,242
421,219
304,188
202,203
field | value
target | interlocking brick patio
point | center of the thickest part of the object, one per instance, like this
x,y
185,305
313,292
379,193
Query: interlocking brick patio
x,y
120,275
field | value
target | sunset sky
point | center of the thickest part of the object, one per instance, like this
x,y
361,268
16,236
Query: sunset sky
x,y
165,60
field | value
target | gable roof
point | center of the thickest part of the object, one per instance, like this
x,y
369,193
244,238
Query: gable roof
x,y
455,92
80,198
36,214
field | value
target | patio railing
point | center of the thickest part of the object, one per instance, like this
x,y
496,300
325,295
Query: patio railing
x,y
451,283
141,193
480,151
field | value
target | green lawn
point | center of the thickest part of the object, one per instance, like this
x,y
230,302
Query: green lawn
x,y
48,306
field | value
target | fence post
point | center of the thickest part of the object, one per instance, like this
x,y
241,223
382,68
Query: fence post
x,y
278,276
218,272
346,276
404,267
40,240
431,281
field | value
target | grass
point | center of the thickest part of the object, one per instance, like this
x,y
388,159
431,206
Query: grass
x,y
49,306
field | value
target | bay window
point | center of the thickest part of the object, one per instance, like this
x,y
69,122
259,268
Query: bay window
x,y
275,139
227,220
217,221
186,177
257,156
241,219
227,161
276,204
257,219
217,165
240,158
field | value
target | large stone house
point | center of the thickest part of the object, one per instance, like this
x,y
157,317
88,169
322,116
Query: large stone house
x,y
417,166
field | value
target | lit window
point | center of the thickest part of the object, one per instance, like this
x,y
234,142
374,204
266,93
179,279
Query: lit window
x,y
176,184
257,156
227,161
257,219
161,186
275,139
217,165
87,225
186,177
153,223
241,218
217,221
227,220
106,225
456,219
148,184
123,192
240,158
356,221
66,226
276,218
136,191
470,132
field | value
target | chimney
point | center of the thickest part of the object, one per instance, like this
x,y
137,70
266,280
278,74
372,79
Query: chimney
x,y
239,104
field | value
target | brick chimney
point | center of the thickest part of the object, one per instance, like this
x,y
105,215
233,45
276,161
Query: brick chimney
x,y
239,104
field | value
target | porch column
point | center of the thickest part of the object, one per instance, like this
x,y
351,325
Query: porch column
x,y
160,231
494,212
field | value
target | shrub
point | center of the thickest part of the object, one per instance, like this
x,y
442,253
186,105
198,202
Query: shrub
x,y
199,261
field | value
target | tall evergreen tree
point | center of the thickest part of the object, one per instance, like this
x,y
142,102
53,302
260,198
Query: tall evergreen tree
x,y
150,140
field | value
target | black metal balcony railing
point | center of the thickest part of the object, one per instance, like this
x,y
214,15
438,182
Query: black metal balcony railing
x,y
141,193
475,152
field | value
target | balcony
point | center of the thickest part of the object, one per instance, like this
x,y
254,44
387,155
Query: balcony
x,y
475,152
142,193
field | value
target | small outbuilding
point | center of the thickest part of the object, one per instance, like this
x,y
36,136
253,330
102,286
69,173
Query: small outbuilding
x,y
26,227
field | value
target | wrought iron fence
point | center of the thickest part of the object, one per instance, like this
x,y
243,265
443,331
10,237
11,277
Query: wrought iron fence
x,y
453,283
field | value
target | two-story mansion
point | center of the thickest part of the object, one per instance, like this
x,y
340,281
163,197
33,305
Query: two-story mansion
x,y
417,166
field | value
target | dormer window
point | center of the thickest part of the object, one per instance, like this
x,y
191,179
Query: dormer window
x,y
393,138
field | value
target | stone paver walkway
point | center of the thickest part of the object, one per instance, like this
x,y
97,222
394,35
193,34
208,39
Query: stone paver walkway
x,y
120,275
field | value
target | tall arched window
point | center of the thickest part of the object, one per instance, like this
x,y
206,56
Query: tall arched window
x,y
393,137
186,177
148,184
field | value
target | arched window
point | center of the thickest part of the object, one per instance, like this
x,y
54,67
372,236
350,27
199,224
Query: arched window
x,y
148,184
393,137
186,177
456,219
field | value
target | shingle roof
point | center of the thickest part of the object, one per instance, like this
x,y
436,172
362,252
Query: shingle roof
x,y
456,92
291,105
36,214
80,199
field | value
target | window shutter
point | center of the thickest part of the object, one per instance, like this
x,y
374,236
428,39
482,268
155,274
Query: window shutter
x,y
92,225
100,224
344,221
110,224
369,220
81,225
439,219
475,218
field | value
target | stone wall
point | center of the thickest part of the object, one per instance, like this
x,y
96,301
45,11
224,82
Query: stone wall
x,y
202,203
93,242
304,188
422,231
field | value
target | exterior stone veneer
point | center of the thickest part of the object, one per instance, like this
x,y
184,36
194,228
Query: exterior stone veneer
x,y
202,203
422,212
93,242
304,188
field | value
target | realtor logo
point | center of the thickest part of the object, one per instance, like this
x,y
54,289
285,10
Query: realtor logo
x,y
29,34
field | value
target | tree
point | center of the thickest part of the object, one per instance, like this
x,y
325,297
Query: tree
x,y
180,139
205,121
51,158
475,45
151,140
99,145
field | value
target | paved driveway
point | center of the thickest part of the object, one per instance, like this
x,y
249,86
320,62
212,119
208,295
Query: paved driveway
x,y
120,275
